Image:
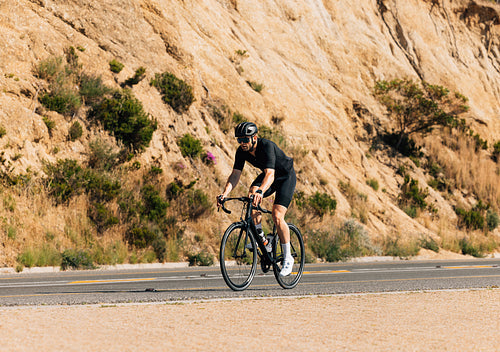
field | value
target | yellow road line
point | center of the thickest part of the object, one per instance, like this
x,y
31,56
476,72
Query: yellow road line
x,y
108,281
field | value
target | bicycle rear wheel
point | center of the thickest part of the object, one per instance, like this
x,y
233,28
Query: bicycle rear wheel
x,y
298,254
237,262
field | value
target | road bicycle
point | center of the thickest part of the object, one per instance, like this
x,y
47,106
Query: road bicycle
x,y
238,259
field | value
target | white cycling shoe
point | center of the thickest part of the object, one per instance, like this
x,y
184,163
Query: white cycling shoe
x,y
287,266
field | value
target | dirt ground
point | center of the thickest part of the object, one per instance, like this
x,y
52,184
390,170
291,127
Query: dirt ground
x,y
423,321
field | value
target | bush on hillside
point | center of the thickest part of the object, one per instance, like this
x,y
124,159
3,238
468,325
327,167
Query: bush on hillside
x,y
62,95
63,100
350,240
175,92
102,155
75,131
123,115
322,204
190,146
412,197
139,75
65,179
116,66
418,108
92,89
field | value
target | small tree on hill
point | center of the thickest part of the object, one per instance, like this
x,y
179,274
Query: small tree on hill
x,y
419,108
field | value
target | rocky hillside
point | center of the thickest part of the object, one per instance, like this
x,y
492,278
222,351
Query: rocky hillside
x,y
306,69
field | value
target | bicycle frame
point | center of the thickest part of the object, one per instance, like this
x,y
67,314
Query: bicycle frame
x,y
249,224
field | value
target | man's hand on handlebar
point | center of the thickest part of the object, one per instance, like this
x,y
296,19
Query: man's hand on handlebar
x,y
257,197
220,199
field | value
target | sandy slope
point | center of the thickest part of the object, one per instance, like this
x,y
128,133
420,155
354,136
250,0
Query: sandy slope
x,y
424,321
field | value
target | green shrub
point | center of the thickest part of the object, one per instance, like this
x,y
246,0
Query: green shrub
x,y
144,237
102,217
138,76
116,66
11,232
102,155
412,197
468,248
175,188
49,68
492,219
73,68
190,146
473,219
190,202
322,204
123,115
92,89
46,255
175,92
140,237
350,240
201,259
51,124
100,186
62,100
373,183
429,243
76,259
75,131
3,131
64,179
155,171
62,95
238,118
112,254
480,143
393,246
27,258
418,107
496,151
195,203
154,205
256,86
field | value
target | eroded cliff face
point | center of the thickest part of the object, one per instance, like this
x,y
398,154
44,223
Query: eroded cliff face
x,y
318,62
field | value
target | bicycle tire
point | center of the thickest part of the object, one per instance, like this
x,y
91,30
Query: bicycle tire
x,y
298,252
238,264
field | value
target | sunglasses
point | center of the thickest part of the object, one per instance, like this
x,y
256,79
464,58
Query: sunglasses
x,y
243,139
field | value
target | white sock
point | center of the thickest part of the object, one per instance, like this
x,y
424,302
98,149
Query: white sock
x,y
285,248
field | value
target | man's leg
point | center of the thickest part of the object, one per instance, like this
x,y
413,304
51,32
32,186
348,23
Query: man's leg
x,y
279,212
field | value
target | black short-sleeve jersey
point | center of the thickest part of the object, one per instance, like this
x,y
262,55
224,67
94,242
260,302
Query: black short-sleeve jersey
x,y
267,156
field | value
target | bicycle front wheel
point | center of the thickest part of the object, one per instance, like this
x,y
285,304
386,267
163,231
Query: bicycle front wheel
x,y
238,259
298,254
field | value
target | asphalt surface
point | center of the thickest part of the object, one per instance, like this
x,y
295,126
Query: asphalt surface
x,y
206,283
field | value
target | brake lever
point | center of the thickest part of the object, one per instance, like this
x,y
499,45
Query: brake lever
x,y
223,206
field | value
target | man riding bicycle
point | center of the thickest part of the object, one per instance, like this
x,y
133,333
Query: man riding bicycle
x,y
278,175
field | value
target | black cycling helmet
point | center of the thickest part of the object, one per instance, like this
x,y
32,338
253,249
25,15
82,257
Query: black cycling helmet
x,y
245,129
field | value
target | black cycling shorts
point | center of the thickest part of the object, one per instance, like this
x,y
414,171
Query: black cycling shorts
x,y
284,187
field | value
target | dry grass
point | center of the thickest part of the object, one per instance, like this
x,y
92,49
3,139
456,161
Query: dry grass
x,y
468,169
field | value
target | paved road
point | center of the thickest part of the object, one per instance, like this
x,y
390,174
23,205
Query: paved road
x,y
157,285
